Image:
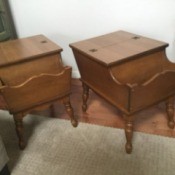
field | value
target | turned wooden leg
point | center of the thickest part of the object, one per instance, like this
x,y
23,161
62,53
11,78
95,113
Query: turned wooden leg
x,y
70,112
129,134
19,129
170,112
85,97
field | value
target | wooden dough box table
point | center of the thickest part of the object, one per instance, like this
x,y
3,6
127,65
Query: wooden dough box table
x,y
129,71
32,77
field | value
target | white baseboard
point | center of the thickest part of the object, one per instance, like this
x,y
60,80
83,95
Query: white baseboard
x,y
75,74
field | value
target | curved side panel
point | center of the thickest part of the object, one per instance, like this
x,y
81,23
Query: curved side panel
x,y
158,88
157,76
139,70
37,90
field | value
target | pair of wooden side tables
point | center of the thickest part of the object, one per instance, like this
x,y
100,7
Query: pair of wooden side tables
x,y
129,71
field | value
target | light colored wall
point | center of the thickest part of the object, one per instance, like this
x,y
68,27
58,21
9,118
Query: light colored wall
x,y
68,21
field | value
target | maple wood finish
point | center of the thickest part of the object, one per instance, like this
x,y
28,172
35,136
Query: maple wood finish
x,y
32,77
129,71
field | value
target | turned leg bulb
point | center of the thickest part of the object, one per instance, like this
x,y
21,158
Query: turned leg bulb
x,y
85,97
70,112
129,134
19,131
170,112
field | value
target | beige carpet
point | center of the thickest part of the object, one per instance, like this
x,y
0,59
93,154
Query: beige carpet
x,y
56,148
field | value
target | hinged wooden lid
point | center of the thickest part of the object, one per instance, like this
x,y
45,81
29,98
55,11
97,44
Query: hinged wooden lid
x,y
26,48
117,46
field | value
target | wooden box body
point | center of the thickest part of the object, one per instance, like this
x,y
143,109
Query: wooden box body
x,y
130,71
32,73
